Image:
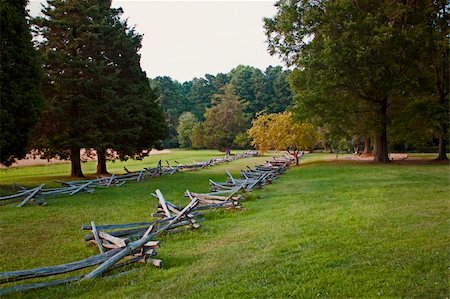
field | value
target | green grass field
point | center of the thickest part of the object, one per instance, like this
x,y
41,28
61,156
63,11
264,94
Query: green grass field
x,y
324,229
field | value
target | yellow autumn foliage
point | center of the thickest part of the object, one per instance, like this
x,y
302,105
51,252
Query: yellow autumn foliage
x,y
279,131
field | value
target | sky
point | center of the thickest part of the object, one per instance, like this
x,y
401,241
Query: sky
x,y
187,39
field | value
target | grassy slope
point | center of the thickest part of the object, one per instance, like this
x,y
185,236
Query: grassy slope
x,y
325,229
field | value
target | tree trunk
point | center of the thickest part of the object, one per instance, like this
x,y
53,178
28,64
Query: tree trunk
x,y
101,162
227,151
295,155
75,162
375,145
366,145
442,148
381,153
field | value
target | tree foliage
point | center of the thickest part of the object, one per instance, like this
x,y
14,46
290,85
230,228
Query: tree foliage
x,y
20,80
351,57
97,95
186,123
268,90
171,95
280,131
224,120
197,136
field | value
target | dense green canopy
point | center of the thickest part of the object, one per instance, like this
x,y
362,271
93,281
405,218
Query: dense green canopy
x,y
20,79
97,95
268,90
356,61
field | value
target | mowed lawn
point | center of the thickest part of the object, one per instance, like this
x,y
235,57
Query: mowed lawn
x,y
324,229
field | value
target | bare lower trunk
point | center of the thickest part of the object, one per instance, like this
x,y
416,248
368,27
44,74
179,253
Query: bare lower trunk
x,y
366,145
356,145
375,146
101,162
227,151
442,148
75,161
295,155
381,152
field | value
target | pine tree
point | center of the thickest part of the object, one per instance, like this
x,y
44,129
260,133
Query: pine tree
x,y
20,79
97,94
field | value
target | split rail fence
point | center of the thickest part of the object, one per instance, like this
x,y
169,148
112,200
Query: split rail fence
x,y
126,243
37,194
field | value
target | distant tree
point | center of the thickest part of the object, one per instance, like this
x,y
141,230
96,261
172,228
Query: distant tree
x,y
224,120
199,97
279,131
173,97
186,123
197,136
279,96
268,91
250,86
242,140
219,80
20,79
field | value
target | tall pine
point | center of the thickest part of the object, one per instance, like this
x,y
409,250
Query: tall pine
x,y
20,79
98,96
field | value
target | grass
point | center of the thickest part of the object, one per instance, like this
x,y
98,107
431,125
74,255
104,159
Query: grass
x,y
325,229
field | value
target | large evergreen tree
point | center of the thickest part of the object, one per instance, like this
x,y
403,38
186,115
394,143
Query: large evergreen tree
x,y
130,119
97,94
20,79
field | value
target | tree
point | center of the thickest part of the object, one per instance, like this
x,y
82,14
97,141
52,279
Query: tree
x,y
224,120
242,141
20,80
352,52
435,67
97,94
67,124
186,123
267,90
279,131
197,136
135,120
173,99
199,97
250,86
279,96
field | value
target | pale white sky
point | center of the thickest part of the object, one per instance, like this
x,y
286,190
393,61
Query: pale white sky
x,y
187,39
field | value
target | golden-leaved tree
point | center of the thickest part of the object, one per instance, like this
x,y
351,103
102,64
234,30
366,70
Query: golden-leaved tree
x,y
279,131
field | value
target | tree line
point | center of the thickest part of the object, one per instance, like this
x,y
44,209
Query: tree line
x,y
188,102
363,71
80,85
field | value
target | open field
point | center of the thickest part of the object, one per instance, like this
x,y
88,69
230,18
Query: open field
x,y
325,228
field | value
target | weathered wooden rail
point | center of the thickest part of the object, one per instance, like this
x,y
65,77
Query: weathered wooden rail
x,y
36,195
126,243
